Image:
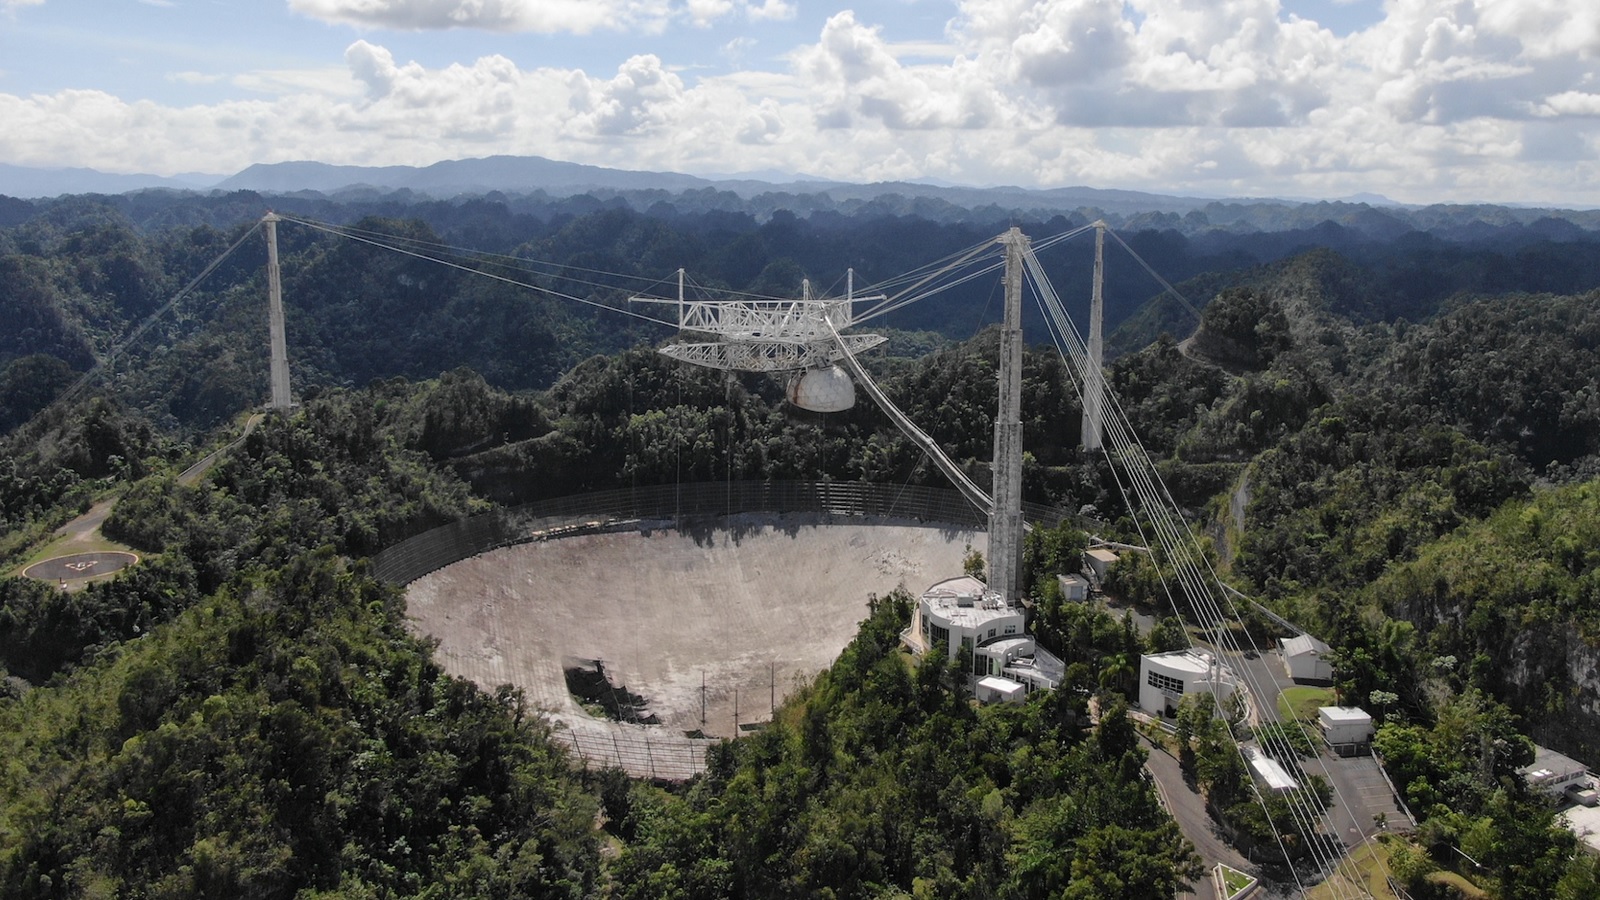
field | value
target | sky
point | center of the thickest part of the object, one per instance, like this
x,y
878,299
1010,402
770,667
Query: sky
x,y
1421,101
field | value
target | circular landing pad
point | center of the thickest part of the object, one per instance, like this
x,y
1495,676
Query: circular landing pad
x,y
80,566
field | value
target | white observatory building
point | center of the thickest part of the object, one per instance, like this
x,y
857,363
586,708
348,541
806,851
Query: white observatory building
x,y
1164,679
961,619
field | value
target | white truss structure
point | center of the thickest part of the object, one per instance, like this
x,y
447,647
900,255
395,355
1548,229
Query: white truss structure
x,y
750,355
767,335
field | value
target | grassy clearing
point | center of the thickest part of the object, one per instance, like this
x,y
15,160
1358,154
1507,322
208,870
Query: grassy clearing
x,y
1460,883
1363,872
67,546
80,535
1233,880
63,546
1301,702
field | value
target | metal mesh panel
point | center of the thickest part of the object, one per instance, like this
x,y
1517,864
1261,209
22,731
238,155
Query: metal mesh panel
x,y
661,757
416,556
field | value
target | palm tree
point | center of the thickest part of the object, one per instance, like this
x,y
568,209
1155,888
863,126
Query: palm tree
x,y
1117,673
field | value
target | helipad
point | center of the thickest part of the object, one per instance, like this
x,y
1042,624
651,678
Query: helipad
x,y
80,566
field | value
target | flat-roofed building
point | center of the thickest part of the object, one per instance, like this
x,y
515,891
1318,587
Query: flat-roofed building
x,y
1347,729
1164,679
1552,773
1100,560
961,619
1074,587
994,689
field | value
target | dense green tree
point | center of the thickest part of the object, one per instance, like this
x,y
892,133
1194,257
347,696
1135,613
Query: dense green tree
x,y
286,736
872,781
1243,327
1387,499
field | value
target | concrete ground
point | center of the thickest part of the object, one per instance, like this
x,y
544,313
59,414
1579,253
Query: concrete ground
x,y
1583,821
1188,808
1361,796
753,608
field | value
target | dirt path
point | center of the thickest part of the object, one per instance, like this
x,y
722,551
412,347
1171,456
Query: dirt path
x,y
79,537
1240,500
1222,531
82,534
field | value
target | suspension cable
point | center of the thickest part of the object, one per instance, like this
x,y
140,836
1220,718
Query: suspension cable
x,y
122,346
476,271
1182,550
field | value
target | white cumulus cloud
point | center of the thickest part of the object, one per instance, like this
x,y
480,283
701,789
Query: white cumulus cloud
x,y
641,98
775,10
855,76
1570,103
538,16
1496,99
704,12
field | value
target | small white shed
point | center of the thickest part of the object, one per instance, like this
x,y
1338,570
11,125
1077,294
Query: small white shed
x,y
1100,561
1074,588
994,689
1347,729
1306,658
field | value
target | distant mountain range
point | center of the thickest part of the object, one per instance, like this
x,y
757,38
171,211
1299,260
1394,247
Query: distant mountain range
x,y
30,183
543,180
526,174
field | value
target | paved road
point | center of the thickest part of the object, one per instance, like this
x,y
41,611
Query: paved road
x,y
1188,808
1265,675
194,473
85,529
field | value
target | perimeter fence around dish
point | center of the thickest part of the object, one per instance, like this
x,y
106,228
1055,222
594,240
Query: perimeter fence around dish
x,y
665,756
682,505
658,757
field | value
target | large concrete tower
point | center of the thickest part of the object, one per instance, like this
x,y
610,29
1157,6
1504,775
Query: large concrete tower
x,y
1094,385
1005,520
280,345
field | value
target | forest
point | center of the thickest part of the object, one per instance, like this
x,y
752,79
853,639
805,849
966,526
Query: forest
x,y
1395,444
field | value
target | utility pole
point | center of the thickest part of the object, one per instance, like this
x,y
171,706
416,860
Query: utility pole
x,y
279,370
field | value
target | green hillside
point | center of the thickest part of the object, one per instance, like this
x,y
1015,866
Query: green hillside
x,y
1399,450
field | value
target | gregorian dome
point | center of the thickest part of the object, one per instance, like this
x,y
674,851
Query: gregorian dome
x,y
822,390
